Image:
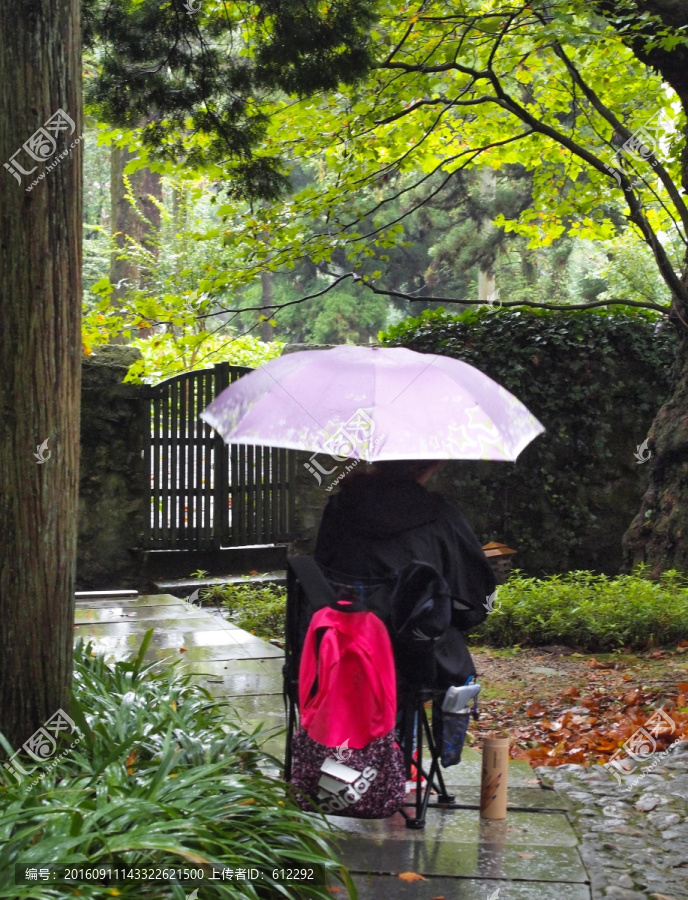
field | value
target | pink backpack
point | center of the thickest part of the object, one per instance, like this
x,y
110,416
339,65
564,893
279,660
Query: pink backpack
x,y
345,757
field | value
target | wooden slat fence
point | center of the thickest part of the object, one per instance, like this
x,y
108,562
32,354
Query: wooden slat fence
x,y
203,493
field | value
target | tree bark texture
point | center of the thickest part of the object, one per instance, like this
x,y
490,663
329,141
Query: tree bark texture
x,y
266,331
40,355
658,535
140,224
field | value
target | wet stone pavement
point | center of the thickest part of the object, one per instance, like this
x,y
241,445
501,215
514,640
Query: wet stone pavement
x,y
533,855
634,837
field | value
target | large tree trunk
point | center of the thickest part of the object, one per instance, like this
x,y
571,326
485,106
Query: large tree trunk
x,y
487,294
658,535
140,223
40,356
266,331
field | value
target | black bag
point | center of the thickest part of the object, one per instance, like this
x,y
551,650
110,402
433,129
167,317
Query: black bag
x,y
454,662
421,614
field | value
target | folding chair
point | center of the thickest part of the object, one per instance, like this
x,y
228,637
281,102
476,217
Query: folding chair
x,y
414,734
308,589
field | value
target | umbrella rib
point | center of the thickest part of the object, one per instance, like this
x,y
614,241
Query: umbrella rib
x,y
436,356
266,372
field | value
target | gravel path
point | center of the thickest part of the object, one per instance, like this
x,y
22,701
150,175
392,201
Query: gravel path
x,y
634,837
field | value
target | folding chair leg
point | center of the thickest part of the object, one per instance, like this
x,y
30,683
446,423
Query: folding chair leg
x,y
422,796
433,778
442,795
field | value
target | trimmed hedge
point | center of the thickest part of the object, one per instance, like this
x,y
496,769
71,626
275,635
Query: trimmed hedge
x,y
595,379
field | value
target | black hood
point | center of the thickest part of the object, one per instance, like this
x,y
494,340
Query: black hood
x,y
378,507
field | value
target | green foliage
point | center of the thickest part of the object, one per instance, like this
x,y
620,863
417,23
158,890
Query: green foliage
x,y
578,609
595,380
346,314
162,778
259,609
388,170
467,89
475,85
168,354
589,612
97,243
630,272
193,85
310,46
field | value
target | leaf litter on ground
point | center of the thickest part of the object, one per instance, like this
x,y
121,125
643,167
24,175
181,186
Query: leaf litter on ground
x,y
587,721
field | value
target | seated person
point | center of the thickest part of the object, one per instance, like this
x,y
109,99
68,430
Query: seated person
x,y
384,518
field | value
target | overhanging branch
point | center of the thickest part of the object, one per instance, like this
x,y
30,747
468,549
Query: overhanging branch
x,y
641,304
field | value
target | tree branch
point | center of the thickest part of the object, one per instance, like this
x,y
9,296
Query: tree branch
x,y
527,303
618,126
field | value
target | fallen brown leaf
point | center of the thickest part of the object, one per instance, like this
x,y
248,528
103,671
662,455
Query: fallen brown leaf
x,y
631,698
130,760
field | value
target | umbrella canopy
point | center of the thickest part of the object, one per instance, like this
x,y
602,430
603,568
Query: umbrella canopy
x,y
374,403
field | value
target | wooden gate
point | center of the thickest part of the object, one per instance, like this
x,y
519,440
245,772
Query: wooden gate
x,y
205,494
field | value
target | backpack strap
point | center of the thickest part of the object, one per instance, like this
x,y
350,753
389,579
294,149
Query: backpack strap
x,y
316,587
319,635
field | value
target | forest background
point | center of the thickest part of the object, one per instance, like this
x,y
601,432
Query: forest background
x,y
389,185
258,175
316,170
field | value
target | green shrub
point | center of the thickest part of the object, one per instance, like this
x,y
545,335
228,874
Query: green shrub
x,y
160,778
257,608
595,379
590,612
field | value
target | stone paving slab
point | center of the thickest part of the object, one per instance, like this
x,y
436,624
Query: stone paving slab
x,y
463,826
176,614
232,677
519,798
376,887
161,600
458,843
181,585
530,856
200,638
468,771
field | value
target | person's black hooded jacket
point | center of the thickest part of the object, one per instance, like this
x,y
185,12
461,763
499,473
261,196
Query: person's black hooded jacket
x,y
377,525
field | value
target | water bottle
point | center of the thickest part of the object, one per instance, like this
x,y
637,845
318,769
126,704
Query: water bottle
x,y
456,699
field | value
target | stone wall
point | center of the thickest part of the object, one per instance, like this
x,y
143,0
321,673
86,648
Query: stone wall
x,y
311,494
111,475
310,498
112,483
112,488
